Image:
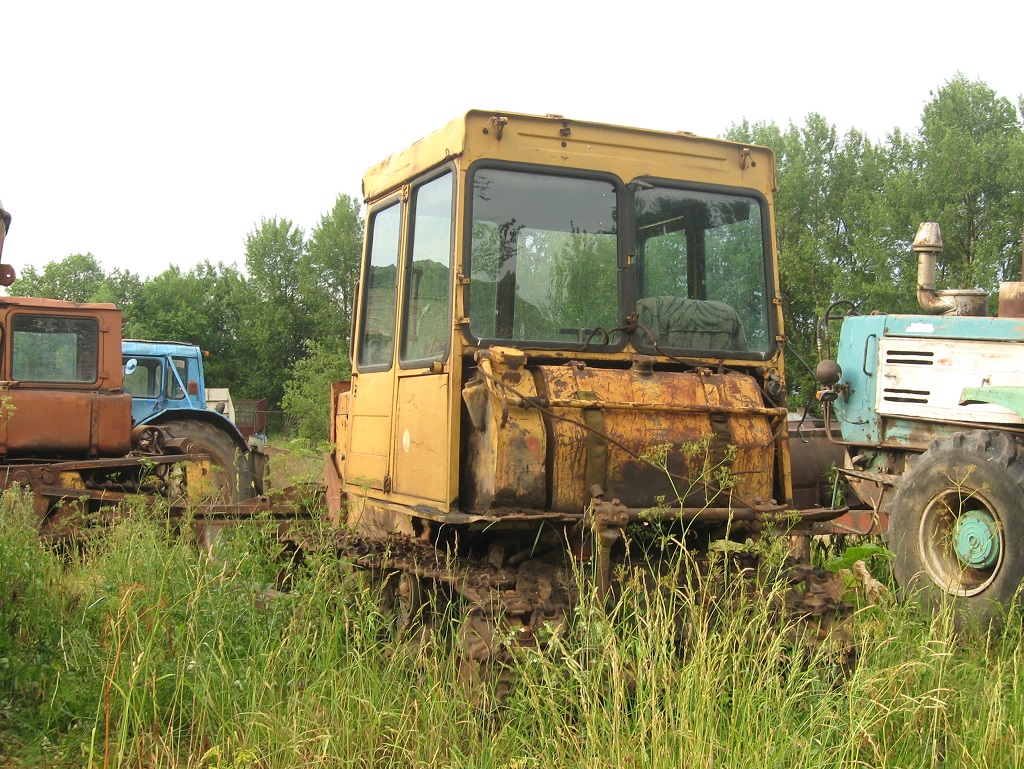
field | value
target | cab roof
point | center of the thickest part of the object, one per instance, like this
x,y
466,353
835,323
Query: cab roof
x,y
558,141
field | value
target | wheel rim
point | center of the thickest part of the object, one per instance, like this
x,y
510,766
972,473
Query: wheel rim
x,y
961,541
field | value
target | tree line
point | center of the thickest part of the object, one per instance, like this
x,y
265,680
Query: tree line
x,y
846,211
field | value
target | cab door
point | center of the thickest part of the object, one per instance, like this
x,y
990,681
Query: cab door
x,y
423,399
367,456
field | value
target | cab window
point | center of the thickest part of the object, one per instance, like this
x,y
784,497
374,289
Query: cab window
x,y
180,367
701,271
379,292
425,324
543,255
144,381
47,348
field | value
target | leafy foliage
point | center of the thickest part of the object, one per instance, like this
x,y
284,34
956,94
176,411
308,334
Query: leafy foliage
x,y
847,208
78,278
306,393
970,178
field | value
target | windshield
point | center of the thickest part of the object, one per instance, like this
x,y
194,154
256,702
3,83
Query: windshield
x,y
545,264
700,271
543,257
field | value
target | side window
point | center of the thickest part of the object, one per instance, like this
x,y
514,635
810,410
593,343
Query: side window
x,y
426,327
380,286
54,349
144,381
173,388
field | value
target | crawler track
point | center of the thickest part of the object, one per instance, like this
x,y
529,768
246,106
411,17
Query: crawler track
x,y
523,602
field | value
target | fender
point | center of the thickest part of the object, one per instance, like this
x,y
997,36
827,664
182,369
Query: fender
x,y
1011,398
214,418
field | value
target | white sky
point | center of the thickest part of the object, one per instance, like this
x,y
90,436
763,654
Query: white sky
x,y
152,134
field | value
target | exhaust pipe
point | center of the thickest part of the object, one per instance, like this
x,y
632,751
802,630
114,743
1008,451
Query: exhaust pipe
x,y
928,245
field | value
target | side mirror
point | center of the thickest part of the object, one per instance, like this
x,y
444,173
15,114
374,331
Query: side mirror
x,y
129,366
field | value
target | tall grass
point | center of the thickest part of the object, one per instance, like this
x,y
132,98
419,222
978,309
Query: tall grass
x,y
137,650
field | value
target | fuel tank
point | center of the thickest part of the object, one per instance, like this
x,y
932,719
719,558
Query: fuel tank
x,y
66,424
542,437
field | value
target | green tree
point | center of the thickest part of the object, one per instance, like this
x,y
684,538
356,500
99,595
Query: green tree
x,y
307,393
276,323
832,230
968,175
120,287
75,278
201,307
329,270
328,273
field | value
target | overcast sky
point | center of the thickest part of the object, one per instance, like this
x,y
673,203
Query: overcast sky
x,y
152,134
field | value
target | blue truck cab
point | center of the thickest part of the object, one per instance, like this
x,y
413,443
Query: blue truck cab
x,y
162,376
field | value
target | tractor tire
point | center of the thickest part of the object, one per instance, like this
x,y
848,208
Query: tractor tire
x,y
231,480
957,526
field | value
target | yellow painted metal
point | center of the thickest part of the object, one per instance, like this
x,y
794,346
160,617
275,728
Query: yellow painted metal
x,y
506,455
626,152
399,433
71,480
199,479
421,437
368,448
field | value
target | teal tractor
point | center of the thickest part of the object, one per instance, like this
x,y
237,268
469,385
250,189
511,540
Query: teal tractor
x,y
930,409
168,388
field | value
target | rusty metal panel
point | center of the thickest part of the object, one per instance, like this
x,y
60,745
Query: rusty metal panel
x,y
506,449
1011,300
690,423
52,423
814,459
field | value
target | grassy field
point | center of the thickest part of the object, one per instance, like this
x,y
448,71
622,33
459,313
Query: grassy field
x,y
135,650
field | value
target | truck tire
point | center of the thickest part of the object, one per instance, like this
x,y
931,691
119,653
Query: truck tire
x,y
232,480
957,526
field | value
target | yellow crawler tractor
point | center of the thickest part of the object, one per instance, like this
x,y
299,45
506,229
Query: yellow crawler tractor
x,y
563,330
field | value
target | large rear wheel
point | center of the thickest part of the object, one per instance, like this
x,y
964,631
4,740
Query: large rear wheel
x,y
957,526
230,478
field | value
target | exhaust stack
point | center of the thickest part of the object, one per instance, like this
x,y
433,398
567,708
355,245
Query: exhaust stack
x,y
928,245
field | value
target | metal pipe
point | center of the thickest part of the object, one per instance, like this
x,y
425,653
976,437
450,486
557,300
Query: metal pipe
x,y
927,246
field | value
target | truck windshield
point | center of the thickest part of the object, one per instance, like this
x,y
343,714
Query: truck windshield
x,y
700,271
545,254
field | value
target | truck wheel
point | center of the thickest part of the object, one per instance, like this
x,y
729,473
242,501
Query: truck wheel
x,y
956,525
232,480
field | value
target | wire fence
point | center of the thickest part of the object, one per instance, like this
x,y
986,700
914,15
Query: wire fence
x,y
254,418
